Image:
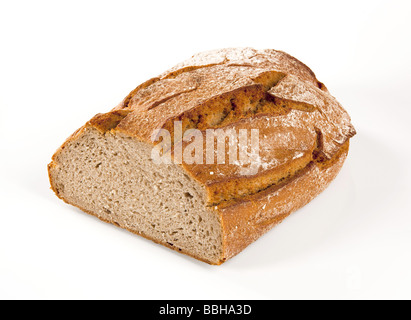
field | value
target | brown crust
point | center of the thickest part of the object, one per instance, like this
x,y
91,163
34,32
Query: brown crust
x,y
236,88
223,88
246,220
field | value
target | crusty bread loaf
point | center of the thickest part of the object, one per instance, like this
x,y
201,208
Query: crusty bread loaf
x,y
206,210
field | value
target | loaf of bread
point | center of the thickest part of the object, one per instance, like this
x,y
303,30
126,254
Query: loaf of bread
x,y
210,210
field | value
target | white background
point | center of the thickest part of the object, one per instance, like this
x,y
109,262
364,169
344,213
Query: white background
x,y
61,62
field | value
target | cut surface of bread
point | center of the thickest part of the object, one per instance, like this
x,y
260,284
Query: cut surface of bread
x,y
114,178
208,211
